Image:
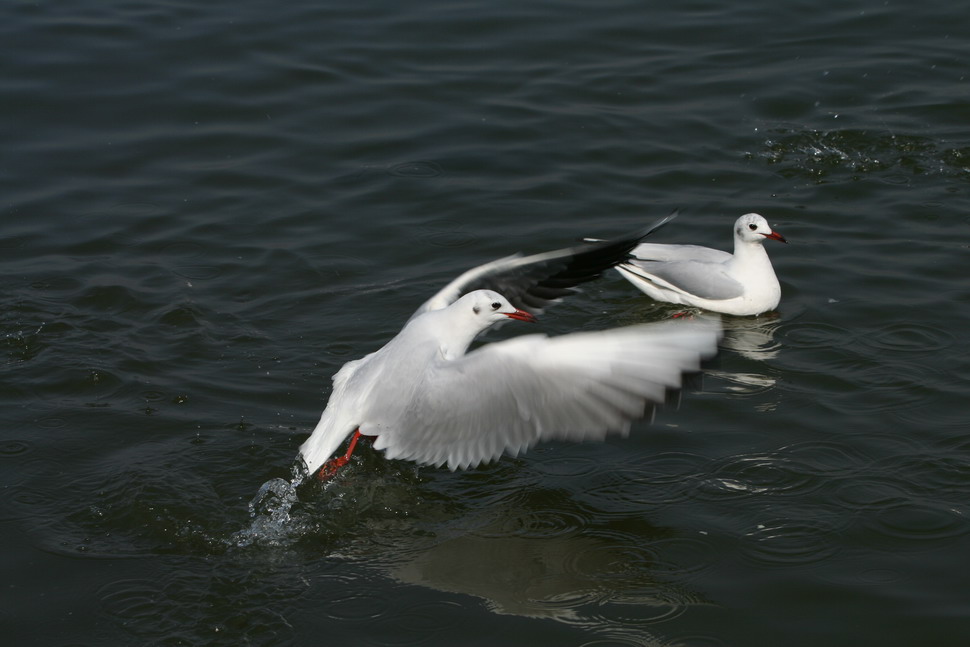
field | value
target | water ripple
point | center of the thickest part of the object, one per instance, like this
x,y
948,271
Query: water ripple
x,y
909,338
852,571
681,557
625,558
887,387
368,601
135,603
756,474
450,238
198,272
788,541
567,466
693,640
870,494
744,384
446,233
929,472
632,490
617,641
753,338
418,169
914,526
14,447
175,605
538,524
416,622
812,335
23,345
630,610
825,457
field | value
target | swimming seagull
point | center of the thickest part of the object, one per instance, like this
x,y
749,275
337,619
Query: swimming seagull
x,y
743,283
426,399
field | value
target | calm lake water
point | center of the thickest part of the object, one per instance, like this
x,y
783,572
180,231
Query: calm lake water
x,y
208,207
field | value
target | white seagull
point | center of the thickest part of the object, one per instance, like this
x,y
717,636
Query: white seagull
x,y
426,399
743,283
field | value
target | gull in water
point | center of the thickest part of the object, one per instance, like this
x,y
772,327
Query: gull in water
x,y
743,283
424,398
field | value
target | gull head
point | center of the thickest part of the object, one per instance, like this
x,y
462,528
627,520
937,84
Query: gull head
x,y
753,228
486,308
460,323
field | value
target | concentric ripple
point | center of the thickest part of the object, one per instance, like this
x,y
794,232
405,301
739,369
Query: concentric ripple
x,y
811,335
661,482
786,541
750,475
693,640
176,604
914,526
567,466
416,622
14,448
416,169
909,338
614,560
538,524
360,605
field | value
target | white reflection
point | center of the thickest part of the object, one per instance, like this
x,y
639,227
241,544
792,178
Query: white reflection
x,y
751,337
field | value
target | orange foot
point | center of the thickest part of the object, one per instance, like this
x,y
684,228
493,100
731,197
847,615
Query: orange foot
x,y
329,469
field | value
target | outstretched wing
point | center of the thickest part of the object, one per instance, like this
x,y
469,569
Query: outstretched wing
x,y
531,283
507,396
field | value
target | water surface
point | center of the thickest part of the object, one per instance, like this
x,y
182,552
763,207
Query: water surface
x,y
208,208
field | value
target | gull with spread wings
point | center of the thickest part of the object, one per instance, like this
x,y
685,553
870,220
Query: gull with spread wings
x,y
424,398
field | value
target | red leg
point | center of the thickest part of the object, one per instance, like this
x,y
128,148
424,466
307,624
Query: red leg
x,y
330,468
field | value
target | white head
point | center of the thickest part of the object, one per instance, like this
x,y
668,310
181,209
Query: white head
x,y
484,308
471,315
752,228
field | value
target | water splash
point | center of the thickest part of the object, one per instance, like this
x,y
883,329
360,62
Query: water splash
x,y
273,523
821,154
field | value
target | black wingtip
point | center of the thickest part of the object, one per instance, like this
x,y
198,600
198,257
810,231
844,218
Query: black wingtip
x,y
660,223
589,263
634,238
532,283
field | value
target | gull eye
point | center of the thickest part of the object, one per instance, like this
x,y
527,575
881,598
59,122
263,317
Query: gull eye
x,y
752,226
496,305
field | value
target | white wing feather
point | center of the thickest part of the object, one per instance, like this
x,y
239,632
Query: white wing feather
x,y
690,278
506,396
336,423
668,252
691,270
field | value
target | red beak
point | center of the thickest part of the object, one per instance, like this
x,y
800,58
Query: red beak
x,y
775,236
521,315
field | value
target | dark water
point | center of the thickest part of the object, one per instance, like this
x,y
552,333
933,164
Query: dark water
x,y
207,208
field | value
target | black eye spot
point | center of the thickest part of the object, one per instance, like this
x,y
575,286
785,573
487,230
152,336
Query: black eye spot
x,y
496,305
752,226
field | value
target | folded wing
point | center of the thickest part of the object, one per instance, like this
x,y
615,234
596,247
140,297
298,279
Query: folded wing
x,y
693,278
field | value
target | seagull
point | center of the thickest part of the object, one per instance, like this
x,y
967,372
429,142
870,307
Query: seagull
x,y
743,283
425,398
